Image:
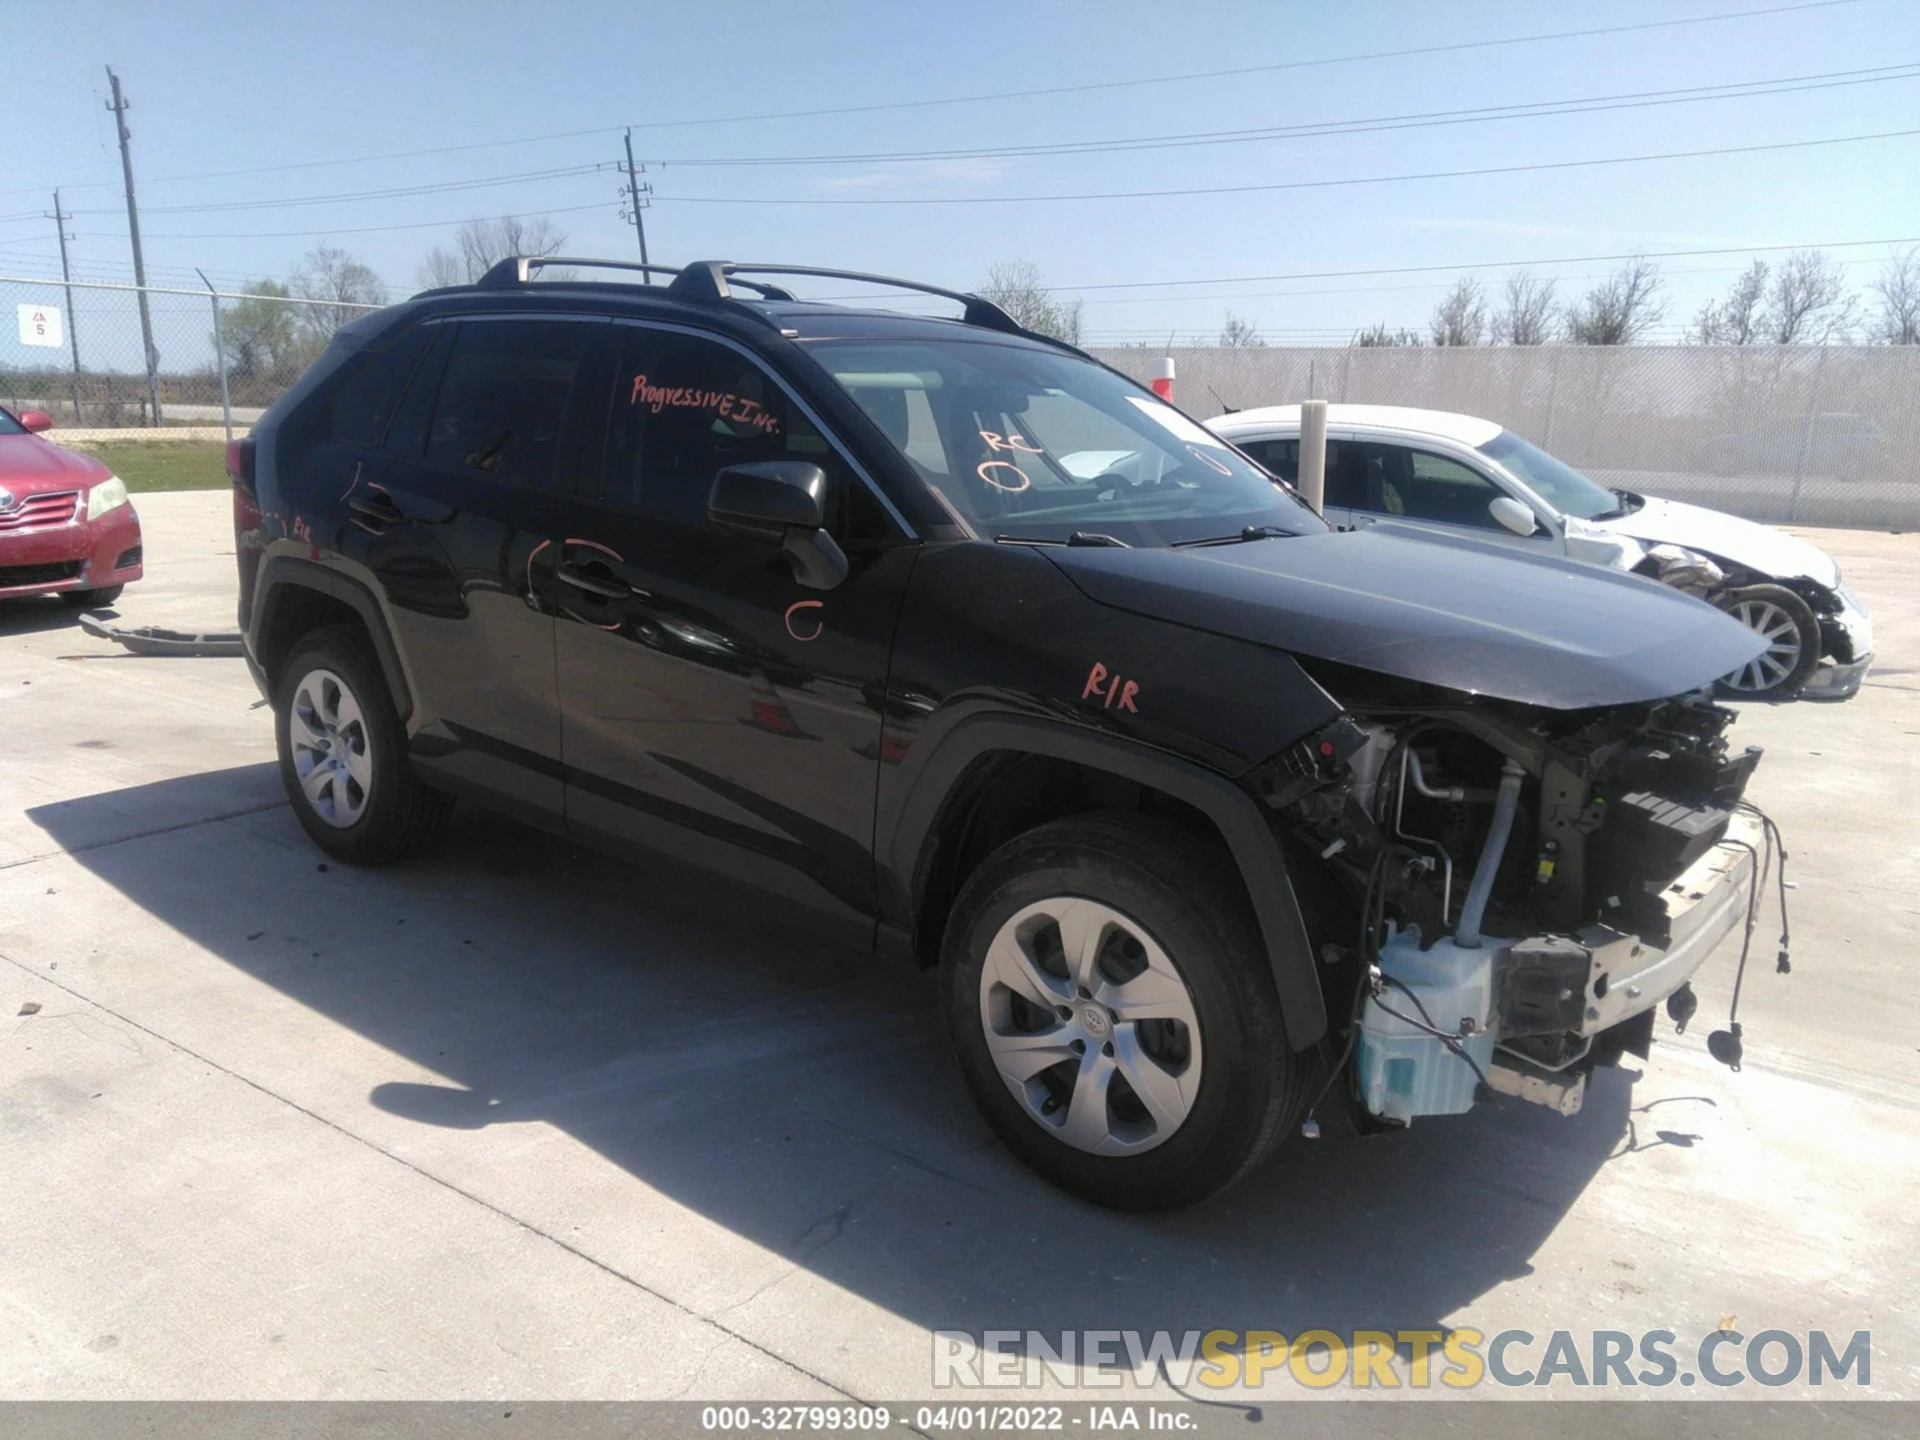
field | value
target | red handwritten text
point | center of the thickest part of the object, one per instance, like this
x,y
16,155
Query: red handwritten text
x,y
735,408
1118,694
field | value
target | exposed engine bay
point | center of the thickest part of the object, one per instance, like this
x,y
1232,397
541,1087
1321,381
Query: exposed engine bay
x,y
1519,889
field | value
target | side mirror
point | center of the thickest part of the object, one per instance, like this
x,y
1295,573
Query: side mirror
x,y
783,503
36,420
1513,515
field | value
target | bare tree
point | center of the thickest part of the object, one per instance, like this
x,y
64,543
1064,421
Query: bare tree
x,y
1018,288
1899,290
1461,317
1739,319
442,268
347,285
1526,311
1620,309
1377,334
481,244
1237,333
1808,301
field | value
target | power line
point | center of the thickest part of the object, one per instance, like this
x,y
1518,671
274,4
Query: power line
x,y
1461,267
1542,109
1414,120
1420,286
396,192
1289,184
1454,47
987,97
367,229
1107,195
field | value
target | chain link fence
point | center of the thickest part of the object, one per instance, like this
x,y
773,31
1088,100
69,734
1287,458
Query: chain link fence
x,y
1817,435
79,352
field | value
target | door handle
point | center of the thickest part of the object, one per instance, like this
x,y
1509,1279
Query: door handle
x,y
378,508
603,585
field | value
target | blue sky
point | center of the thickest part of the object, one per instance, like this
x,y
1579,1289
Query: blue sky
x,y
231,87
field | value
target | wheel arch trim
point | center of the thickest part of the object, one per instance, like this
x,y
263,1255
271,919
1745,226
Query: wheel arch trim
x,y
281,573
1234,813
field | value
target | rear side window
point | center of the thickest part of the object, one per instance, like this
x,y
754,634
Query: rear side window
x,y
363,406
503,399
1345,480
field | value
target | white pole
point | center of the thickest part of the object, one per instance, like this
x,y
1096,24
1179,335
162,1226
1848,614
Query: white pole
x,y
1313,453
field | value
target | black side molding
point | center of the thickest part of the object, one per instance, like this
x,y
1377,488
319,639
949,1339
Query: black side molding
x,y
1236,814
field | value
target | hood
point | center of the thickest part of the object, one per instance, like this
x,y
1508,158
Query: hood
x,y
1762,548
1469,615
29,464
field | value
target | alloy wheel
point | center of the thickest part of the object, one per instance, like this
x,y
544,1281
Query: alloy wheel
x,y
1772,665
1091,1026
332,755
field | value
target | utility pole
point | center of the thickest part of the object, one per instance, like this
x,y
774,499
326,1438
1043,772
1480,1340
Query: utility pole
x,y
118,105
637,199
60,218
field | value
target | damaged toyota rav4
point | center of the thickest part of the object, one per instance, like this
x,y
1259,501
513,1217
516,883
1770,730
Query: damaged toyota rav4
x,y
1207,815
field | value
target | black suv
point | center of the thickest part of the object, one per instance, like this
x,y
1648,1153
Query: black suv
x,y
1000,664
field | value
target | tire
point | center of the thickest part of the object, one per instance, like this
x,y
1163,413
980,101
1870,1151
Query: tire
x,y
1168,935
88,599
1793,632
343,753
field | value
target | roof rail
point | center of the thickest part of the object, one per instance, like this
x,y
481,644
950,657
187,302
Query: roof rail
x,y
709,279
517,270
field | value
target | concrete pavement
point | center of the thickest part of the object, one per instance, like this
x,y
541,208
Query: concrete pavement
x,y
515,1120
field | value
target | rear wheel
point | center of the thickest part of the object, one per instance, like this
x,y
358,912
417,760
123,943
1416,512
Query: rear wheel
x,y
87,599
343,753
1792,632
1111,1005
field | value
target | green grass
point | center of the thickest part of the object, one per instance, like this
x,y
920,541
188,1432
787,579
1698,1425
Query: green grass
x,y
175,465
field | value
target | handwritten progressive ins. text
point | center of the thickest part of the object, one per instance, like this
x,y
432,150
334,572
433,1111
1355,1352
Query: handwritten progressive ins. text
x,y
728,406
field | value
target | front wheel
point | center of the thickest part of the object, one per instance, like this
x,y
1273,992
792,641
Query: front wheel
x,y
89,599
1792,633
1113,1012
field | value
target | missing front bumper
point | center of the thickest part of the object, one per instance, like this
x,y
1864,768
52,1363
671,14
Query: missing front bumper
x,y
1525,1014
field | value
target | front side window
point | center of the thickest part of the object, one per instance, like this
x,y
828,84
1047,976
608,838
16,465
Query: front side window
x,y
1420,485
683,408
503,399
1025,443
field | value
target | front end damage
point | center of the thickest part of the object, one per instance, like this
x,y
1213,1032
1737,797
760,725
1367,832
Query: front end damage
x,y
1512,891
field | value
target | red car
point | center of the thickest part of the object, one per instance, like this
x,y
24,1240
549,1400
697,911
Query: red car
x,y
66,525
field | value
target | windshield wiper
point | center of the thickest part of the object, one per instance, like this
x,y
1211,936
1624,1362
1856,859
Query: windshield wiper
x,y
1251,532
1078,539
1629,502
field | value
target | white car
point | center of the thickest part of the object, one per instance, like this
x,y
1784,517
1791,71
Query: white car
x,y
1458,475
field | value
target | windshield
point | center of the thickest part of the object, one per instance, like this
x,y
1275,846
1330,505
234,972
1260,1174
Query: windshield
x,y
1030,444
1554,481
10,426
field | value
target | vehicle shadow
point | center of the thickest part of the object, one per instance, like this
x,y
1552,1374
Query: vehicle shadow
x,y
800,1094
37,614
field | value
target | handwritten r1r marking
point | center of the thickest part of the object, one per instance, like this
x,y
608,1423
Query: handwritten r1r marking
x,y
1119,693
